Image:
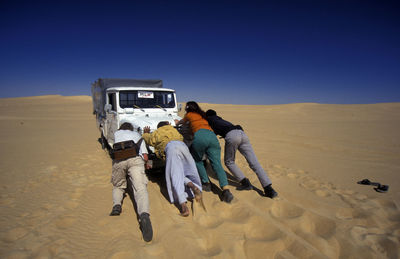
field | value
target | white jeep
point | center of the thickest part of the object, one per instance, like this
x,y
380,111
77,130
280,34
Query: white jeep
x,y
140,102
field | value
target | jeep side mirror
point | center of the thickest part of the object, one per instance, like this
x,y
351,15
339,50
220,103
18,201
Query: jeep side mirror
x,y
107,108
179,107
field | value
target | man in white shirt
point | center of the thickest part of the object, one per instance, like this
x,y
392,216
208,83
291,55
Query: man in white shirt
x,y
133,167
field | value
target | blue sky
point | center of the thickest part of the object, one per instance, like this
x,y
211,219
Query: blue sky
x,y
239,52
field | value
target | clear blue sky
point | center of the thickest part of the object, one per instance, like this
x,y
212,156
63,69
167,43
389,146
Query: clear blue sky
x,y
240,52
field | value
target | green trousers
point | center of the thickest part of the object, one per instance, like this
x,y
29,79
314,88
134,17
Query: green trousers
x,y
206,142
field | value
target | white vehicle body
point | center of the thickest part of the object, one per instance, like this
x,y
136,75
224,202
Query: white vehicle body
x,y
139,102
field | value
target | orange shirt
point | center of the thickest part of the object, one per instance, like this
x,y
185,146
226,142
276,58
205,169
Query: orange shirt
x,y
196,121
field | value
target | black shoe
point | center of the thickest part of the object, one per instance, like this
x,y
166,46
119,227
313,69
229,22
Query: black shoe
x,y
145,226
270,192
116,210
245,185
206,187
227,196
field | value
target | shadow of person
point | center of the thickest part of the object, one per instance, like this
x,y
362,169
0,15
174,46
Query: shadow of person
x,y
231,181
158,176
211,173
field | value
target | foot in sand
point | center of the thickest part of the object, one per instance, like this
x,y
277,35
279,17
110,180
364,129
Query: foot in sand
x,y
116,210
145,226
184,210
270,192
227,196
198,196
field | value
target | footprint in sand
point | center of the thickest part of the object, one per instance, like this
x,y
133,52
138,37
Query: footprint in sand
x,y
209,221
376,239
293,175
318,225
350,213
310,184
298,249
285,210
322,193
264,230
210,247
237,213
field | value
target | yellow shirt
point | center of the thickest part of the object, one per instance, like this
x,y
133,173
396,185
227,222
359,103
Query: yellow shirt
x,y
160,138
196,122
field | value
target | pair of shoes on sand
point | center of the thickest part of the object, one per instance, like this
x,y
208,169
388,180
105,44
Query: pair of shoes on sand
x,y
144,222
379,187
268,190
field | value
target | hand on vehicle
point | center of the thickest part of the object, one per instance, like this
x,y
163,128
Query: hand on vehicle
x,y
146,129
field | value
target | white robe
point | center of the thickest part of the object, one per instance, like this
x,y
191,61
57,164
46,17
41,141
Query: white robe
x,y
180,169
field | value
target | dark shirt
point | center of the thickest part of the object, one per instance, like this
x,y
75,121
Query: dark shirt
x,y
220,126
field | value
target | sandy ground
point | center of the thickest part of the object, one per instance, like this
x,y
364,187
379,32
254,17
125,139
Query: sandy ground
x,y
56,195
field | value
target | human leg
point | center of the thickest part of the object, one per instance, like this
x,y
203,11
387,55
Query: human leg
x,y
247,151
174,173
118,180
199,146
232,141
139,182
214,155
117,194
189,166
213,152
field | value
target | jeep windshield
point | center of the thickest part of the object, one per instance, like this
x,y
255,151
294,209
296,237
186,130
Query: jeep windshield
x,y
146,99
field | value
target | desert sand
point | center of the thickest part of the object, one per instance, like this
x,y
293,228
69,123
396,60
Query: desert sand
x,y
55,191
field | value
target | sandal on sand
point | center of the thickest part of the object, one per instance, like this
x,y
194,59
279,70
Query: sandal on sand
x,y
382,188
365,182
368,182
184,210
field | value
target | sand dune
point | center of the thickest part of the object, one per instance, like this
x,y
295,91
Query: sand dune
x,y
55,194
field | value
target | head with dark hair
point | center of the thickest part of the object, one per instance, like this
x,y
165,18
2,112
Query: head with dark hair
x,y
194,107
211,113
162,123
126,126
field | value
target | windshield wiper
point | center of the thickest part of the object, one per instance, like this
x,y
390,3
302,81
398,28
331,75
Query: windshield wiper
x,y
158,106
135,106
